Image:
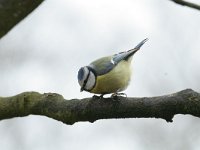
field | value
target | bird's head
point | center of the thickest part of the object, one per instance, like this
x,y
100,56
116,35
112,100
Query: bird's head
x,y
86,78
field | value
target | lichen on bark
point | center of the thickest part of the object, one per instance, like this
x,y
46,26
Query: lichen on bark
x,y
91,109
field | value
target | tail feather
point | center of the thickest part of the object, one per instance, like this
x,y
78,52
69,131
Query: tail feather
x,y
140,44
134,50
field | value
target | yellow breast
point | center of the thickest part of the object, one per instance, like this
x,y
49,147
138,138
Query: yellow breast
x,y
114,81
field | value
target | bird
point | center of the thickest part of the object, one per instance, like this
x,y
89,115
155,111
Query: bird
x,y
108,75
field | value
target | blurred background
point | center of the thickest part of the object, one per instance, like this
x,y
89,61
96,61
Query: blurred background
x,y
44,52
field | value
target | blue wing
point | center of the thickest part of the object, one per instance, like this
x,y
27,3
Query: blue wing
x,y
106,64
102,65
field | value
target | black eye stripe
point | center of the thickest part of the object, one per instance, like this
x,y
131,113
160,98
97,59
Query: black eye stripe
x,y
85,81
91,71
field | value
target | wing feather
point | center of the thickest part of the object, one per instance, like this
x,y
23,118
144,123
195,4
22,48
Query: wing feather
x,y
103,65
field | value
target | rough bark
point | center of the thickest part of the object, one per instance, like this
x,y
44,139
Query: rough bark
x,y
13,11
188,4
91,109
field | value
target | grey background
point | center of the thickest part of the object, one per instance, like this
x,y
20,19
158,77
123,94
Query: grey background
x,y
44,52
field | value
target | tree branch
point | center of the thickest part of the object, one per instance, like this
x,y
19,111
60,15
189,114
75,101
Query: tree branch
x,y
188,4
91,109
13,11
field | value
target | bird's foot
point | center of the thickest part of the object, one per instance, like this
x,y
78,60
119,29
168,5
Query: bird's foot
x,y
115,95
98,97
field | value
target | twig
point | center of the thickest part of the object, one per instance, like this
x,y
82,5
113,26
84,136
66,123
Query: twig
x,y
188,4
13,11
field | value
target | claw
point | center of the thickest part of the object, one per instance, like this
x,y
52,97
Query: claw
x,y
115,95
101,96
98,97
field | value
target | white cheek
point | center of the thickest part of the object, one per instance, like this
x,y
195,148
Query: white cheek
x,y
86,71
91,81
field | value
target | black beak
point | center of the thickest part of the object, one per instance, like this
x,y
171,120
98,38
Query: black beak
x,y
81,90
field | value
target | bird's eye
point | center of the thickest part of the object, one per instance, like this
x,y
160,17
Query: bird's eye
x,y
83,75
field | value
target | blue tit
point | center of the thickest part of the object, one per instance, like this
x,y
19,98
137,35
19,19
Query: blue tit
x,y
109,74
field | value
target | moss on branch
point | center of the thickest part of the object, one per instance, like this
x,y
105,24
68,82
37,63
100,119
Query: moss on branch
x,y
91,109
